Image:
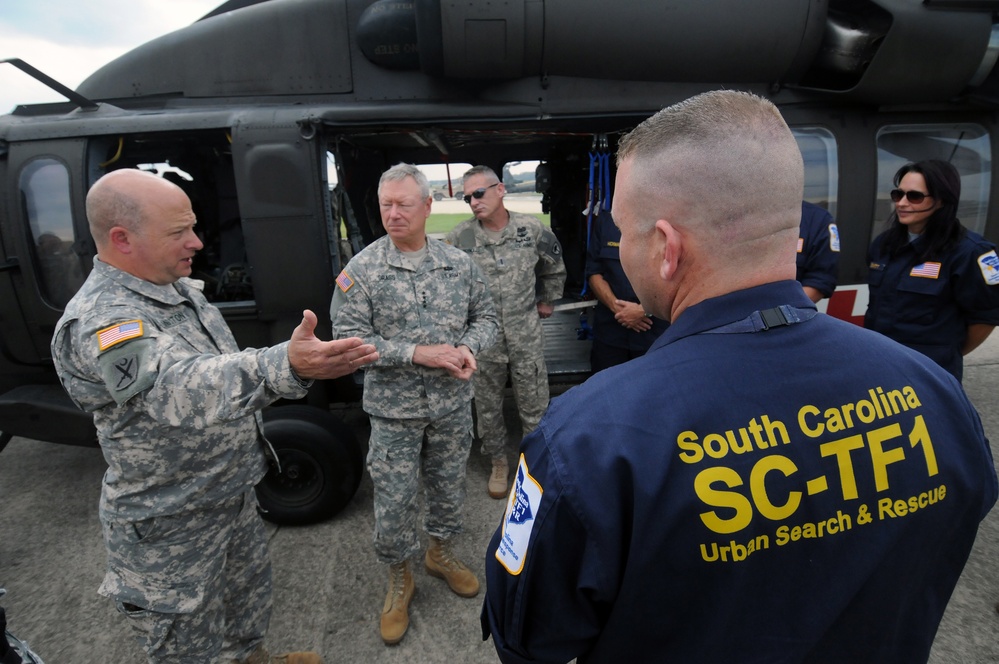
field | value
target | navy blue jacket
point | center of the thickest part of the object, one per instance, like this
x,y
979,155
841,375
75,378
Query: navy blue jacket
x,y
804,493
603,257
929,306
818,249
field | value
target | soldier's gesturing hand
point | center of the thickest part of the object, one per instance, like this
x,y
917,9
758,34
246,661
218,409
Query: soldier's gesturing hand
x,y
458,362
313,358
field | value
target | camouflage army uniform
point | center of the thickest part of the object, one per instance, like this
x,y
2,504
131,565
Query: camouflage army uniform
x,y
388,304
176,407
523,267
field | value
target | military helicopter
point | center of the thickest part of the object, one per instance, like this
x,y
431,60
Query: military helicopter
x,y
250,104
515,184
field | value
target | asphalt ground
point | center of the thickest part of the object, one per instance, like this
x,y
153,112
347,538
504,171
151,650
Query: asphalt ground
x,y
328,587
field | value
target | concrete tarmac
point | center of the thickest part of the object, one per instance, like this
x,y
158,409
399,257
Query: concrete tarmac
x,y
328,587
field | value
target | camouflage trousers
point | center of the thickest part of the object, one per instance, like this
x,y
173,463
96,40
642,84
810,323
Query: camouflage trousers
x,y
400,451
195,587
529,378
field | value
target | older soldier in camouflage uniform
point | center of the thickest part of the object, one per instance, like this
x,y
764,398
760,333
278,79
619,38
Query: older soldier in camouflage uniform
x,y
176,405
425,307
522,261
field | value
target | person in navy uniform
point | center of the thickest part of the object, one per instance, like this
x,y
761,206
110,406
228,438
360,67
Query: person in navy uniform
x,y
743,492
933,284
622,329
817,260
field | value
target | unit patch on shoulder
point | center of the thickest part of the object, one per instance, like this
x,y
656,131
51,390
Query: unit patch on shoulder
x,y
128,370
927,270
518,521
989,265
801,244
344,281
116,334
834,237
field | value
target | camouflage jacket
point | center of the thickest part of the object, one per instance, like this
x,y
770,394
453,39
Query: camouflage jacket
x,y
383,301
522,267
175,402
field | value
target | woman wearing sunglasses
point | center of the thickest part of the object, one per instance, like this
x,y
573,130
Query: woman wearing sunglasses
x,y
934,285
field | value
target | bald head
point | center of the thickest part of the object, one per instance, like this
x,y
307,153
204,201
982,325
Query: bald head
x,y
143,225
724,171
122,198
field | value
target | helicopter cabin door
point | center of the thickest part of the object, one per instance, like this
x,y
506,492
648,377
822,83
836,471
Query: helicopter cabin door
x,y
45,245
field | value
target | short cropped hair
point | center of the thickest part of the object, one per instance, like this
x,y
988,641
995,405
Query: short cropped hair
x,y
479,170
722,155
400,172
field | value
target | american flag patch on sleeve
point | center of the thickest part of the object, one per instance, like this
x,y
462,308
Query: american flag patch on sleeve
x,y
344,281
116,334
929,270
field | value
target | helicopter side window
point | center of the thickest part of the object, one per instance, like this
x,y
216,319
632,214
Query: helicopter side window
x,y
966,146
45,200
818,152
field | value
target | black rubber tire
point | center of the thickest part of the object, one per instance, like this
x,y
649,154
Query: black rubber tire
x,y
4,439
321,466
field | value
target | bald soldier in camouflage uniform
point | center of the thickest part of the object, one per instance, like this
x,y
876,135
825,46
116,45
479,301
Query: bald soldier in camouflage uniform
x,y
176,406
425,307
522,261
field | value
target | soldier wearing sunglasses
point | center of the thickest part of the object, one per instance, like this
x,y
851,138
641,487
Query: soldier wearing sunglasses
x,y
522,261
934,285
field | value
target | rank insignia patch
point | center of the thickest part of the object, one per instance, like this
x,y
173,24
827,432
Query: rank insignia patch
x,y
116,334
518,522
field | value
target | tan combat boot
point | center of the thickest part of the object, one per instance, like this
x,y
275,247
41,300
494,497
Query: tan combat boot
x,y
261,656
395,613
441,562
498,479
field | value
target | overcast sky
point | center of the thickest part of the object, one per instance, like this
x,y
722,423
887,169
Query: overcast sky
x,y
70,39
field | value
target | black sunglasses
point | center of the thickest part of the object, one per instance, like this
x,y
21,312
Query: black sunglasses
x,y
915,197
478,193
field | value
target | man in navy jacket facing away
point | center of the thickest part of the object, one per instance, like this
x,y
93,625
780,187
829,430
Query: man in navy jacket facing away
x,y
766,484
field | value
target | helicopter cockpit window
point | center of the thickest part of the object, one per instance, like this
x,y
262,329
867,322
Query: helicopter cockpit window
x,y
45,196
818,151
966,146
